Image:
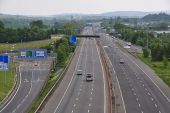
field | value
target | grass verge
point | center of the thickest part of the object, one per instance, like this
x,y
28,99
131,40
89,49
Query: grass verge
x,y
50,83
158,67
33,44
7,82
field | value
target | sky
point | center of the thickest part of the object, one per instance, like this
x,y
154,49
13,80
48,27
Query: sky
x,y
52,7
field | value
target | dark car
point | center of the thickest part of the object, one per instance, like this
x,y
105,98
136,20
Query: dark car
x,y
89,77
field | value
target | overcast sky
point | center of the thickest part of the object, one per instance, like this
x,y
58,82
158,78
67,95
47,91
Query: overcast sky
x,y
51,7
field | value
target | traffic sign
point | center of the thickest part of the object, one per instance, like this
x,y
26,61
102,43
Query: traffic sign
x,y
73,40
4,59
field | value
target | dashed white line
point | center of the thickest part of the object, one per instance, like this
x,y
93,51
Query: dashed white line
x,y
137,99
152,99
77,98
156,105
148,93
88,110
74,105
89,104
139,105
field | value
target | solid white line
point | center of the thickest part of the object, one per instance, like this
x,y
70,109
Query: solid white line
x,y
69,82
118,84
19,105
103,79
147,76
15,92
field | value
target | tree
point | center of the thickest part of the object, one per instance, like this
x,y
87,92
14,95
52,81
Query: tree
x,y
37,23
145,52
1,25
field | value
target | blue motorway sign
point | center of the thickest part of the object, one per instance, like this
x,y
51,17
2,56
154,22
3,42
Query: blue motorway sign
x,y
73,40
33,53
40,53
4,59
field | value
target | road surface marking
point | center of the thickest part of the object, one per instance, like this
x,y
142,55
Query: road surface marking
x,y
148,77
139,105
148,93
118,85
152,99
103,79
70,80
74,105
156,106
88,111
137,99
89,104
15,92
77,98
72,111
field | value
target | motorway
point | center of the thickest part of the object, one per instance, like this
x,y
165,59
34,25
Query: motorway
x,y
32,79
75,94
140,93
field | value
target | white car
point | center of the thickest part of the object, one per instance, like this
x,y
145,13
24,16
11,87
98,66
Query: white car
x,y
79,72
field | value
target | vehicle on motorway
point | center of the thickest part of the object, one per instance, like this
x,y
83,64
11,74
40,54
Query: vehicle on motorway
x,y
89,77
79,72
122,61
35,64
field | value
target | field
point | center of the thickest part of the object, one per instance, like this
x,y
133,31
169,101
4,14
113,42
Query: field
x,y
6,82
158,67
25,45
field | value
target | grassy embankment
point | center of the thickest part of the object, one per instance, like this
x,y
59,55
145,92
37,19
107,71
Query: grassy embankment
x,y
158,67
24,45
6,82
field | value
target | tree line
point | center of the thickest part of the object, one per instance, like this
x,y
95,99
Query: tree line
x,y
156,47
37,31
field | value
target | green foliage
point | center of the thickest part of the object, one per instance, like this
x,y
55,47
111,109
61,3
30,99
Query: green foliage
x,y
145,52
37,23
63,50
165,62
157,52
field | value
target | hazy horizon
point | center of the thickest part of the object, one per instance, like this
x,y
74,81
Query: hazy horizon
x,y
57,7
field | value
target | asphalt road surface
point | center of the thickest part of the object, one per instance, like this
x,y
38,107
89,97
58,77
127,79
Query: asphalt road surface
x,y
31,83
139,91
75,94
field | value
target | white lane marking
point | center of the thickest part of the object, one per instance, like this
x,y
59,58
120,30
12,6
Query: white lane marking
x,y
77,98
91,93
74,105
152,99
137,99
134,93
139,105
19,105
156,106
145,89
88,110
141,111
15,92
118,86
147,76
89,104
72,111
69,82
159,111
103,79
148,93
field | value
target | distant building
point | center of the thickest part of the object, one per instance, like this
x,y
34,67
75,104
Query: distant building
x,y
156,33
